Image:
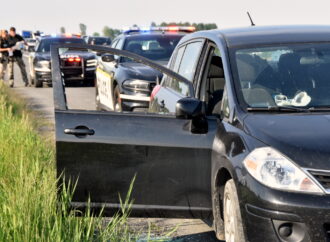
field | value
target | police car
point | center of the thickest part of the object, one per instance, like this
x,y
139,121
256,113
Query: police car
x,y
124,85
77,65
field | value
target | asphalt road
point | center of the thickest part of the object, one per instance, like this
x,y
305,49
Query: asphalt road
x,y
41,101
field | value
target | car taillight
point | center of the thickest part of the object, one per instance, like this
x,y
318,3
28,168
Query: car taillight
x,y
154,92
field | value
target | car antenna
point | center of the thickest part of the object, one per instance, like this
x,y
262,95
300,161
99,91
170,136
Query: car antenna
x,y
252,24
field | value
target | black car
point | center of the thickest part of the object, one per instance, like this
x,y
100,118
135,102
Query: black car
x,y
241,139
97,40
125,84
77,66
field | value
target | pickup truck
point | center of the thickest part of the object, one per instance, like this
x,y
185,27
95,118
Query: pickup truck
x,y
237,132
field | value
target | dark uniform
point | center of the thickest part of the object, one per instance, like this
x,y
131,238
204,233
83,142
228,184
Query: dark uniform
x,y
17,57
4,57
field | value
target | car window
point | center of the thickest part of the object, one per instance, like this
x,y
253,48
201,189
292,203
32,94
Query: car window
x,y
213,81
178,58
189,60
114,43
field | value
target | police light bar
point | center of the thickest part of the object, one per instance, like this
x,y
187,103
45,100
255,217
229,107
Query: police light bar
x,y
174,29
161,29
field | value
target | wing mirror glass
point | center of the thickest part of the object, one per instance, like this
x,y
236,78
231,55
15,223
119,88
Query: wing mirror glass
x,y
108,58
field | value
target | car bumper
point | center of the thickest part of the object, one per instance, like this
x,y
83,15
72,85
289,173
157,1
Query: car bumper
x,y
267,213
47,76
135,101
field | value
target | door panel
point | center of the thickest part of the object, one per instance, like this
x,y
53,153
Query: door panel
x,y
172,166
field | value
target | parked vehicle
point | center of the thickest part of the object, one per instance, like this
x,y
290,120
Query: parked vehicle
x,y
78,66
240,137
123,84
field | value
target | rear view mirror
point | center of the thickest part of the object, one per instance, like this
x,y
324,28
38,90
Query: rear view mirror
x,y
108,58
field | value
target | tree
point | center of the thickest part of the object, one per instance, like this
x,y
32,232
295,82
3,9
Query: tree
x,y
83,29
62,30
96,34
109,32
153,24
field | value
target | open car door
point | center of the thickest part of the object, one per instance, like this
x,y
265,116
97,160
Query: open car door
x,y
103,151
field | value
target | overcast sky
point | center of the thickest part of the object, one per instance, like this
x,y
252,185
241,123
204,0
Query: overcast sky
x,y
49,16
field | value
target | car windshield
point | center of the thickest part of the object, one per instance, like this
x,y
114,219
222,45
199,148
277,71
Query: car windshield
x,y
100,41
45,44
282,76
153,47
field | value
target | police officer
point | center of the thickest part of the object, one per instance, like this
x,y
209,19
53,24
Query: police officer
x,y
15,42
4,54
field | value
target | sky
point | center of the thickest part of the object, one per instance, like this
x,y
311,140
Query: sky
x,y
49,16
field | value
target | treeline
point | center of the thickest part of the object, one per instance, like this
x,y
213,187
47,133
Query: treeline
x,y
112,33
198,26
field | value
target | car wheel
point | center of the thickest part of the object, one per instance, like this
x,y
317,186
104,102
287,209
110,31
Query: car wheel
x,y
117,100
232,216
37,83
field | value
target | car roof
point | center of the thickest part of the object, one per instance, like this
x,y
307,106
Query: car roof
x,y
266,35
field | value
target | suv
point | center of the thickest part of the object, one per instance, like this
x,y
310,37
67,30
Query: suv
x,y
77,66
126,85
242,138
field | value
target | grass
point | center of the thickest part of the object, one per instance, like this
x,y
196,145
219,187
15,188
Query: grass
x,y
29,207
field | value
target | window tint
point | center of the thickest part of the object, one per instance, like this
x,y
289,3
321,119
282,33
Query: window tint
x,y
113,45
189,61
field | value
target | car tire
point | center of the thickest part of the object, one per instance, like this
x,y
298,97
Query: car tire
x,y
37,83
116,100
233,225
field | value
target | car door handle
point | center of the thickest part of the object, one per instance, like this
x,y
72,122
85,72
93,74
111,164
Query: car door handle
x,y
80,131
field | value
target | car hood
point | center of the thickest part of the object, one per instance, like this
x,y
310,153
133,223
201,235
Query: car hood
x,y
141,71
304,138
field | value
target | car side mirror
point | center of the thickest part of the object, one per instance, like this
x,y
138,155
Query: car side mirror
x,y
108,58
194,110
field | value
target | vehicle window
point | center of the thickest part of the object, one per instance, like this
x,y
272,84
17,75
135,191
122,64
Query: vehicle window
x,y
178,58
100,41
189,60
154,47
113,45
45,44
174,66
292,75
213,81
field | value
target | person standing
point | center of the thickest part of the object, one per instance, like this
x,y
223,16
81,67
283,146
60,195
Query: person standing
x,y
4,54
15,42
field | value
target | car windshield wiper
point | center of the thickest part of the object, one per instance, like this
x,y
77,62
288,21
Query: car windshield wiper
x,y
277,109
319,109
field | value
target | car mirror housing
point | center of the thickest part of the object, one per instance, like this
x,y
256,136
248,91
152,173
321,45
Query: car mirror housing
x,y
194,110
108,58
189,108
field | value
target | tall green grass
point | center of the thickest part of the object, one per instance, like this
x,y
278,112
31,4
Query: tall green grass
x,y
29,207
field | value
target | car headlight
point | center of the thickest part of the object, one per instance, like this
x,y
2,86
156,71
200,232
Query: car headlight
x,y
274,170
42,65
136,84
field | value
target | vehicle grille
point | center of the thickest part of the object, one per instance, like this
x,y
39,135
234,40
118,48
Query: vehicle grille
x,y
323,177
